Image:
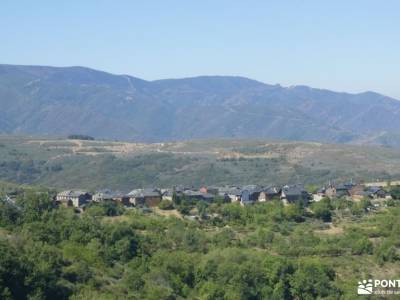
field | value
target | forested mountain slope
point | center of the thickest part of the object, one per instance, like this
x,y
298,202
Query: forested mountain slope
x,y
124,166
62,101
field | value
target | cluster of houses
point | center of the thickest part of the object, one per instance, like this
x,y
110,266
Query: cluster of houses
x,y
250,194
355,192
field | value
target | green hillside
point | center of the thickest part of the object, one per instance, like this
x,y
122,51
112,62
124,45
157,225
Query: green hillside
x,y
262,251
102,164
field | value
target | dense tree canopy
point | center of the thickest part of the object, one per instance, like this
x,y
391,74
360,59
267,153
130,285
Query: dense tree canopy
x,y
264,251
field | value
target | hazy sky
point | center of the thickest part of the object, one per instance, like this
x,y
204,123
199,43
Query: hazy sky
x,y
351,45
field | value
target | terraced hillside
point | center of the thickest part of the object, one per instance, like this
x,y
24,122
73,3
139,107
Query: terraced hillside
x,y
64,163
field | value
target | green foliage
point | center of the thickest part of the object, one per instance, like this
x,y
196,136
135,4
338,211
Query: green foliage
x,y
313,280
10,215
395,192
262,251
294,212
34,205
62,164
107,208
166,205
356,242
225,238
386,252
322,210
34,273
312,188
183,204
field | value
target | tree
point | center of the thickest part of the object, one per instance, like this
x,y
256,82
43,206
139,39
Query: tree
x,y
120,243
322,210
11,283
106,208
32,272
395,192
175,198
294,212
212,291
202,209
34,205
357,242
10,214
171,275
264,237
365,203
386,252
80,137
225,238
311,188
312,280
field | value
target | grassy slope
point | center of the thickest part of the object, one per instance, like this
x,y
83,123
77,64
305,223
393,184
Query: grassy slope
x,y
98,164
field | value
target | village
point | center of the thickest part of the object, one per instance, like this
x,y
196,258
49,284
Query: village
x,y
245,195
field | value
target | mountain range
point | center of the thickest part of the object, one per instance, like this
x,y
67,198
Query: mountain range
x,y
59,101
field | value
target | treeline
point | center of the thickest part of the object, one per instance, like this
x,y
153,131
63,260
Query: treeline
x,y
80,137
265,251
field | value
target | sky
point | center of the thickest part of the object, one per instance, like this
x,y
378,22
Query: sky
x,y
350,46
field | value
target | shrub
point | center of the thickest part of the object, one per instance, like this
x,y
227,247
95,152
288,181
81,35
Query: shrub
x,y
322,210
166,204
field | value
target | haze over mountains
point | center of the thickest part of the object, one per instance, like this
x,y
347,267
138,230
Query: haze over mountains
x,y
61,101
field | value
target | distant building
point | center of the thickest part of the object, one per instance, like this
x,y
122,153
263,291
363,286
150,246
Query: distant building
x,y
249,195
376,192
102,195
209,190
357,192
330,192
195,195
181,188
147,197
73,198
122,199
108,195
269,194
295,194
319,195
343,190
232,192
